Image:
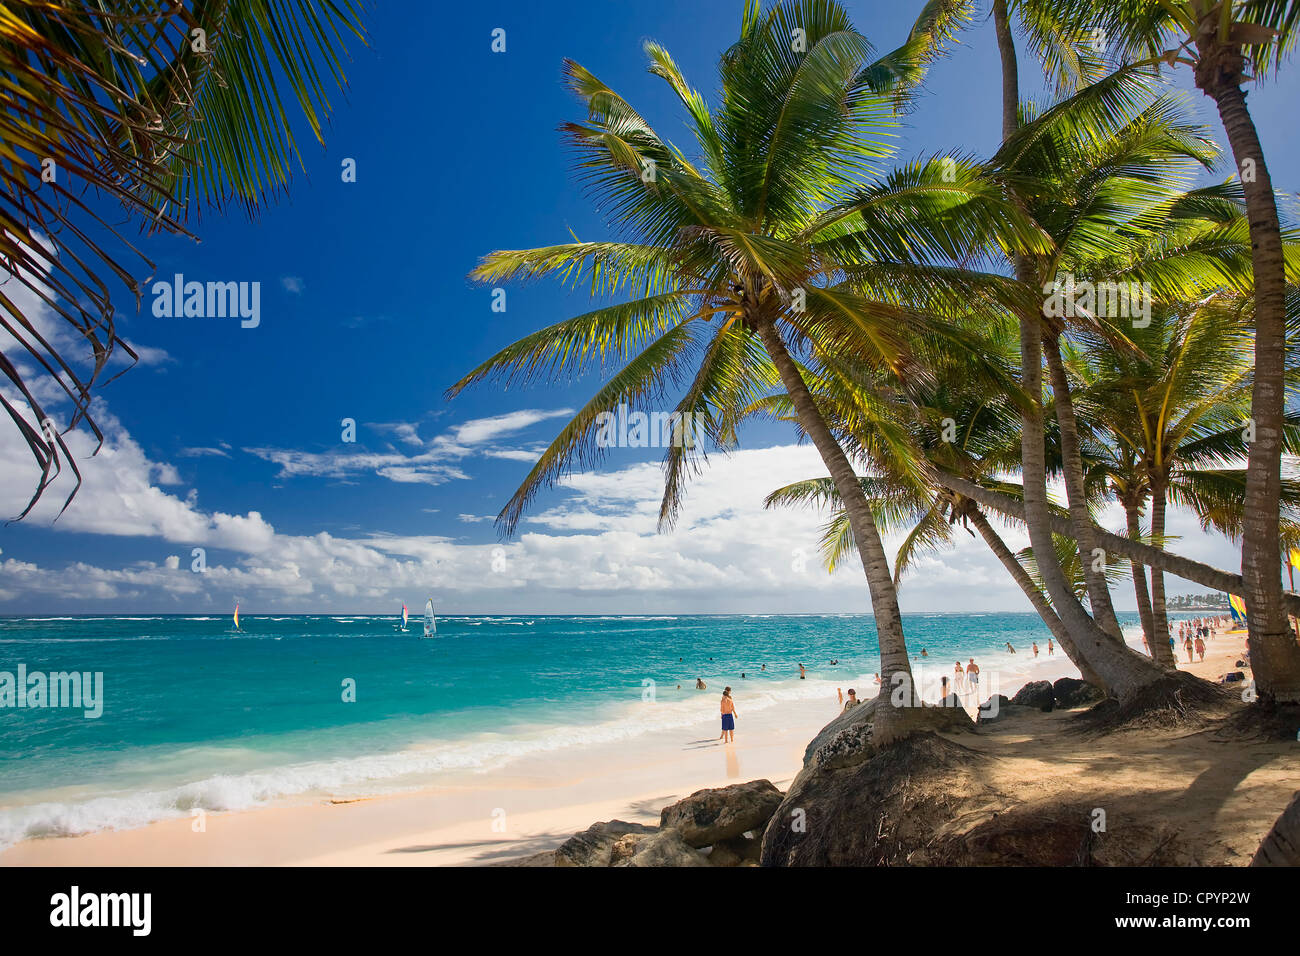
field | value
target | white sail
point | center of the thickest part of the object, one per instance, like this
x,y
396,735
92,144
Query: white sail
x,y
430,624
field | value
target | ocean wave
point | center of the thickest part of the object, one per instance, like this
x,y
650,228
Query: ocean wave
x,y
374,774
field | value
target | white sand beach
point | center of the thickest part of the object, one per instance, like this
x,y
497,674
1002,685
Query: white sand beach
x,y
526,806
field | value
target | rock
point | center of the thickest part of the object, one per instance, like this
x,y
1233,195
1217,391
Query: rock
x,y
1071,692
595,845
874,812
666,848
545,858
989,714
846,740
707,817
858,717
743,850
626,847
1038,694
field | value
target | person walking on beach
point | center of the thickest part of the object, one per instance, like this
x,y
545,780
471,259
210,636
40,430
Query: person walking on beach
x,y
1051,648
973,675
959,676
728,717
1187,646
1200,647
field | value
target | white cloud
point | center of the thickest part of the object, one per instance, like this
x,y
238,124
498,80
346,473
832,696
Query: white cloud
x,y
592,545
438,463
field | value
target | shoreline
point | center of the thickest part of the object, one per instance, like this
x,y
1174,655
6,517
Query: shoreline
x,y
529,804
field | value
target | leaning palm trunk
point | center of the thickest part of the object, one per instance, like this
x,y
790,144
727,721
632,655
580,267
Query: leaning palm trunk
x,y
890,722
1281,847
1103,611
1121,671
1274,652
1031,591
1175,564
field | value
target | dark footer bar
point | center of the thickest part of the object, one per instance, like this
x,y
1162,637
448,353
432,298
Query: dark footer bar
x,y
501,904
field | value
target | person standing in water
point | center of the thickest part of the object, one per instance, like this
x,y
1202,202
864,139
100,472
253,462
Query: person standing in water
x,y
728,717
1051,648
802,674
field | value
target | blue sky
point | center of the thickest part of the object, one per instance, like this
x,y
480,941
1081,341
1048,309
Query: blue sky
x,y
229,438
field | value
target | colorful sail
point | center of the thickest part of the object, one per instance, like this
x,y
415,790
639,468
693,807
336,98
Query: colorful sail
x,y
1238,608
1295,558
236,617
405,617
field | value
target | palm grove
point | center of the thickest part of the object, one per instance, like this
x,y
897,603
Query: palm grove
x,y
907,317
904,316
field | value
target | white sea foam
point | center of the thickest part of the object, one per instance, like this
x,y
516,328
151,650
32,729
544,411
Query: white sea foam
x,y
379,773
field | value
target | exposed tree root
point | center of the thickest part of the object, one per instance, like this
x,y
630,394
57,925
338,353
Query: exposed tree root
x,y
1176,700
1261,722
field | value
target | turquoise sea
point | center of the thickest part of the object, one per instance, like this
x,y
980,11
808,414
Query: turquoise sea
x,y
196,714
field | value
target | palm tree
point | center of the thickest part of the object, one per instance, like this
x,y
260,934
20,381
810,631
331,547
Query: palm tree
x,y
1225,42
1173,412
1099,171
161,111
784,233
953,424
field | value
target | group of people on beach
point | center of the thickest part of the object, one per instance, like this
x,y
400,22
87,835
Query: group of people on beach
x,y
1192,635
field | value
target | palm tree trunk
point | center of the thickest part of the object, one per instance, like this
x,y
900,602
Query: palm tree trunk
x,y
1274,651
1281,845
1159,647
1103,611
1010,70
1159,509
896,671
1175,564
1121,671
1031,591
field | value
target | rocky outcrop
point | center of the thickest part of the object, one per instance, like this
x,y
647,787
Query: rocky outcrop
x,y
1071,692
665,848
718,827
708,817
1037,694
740,851
874,811
852,721
846,740
595,845
991,713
